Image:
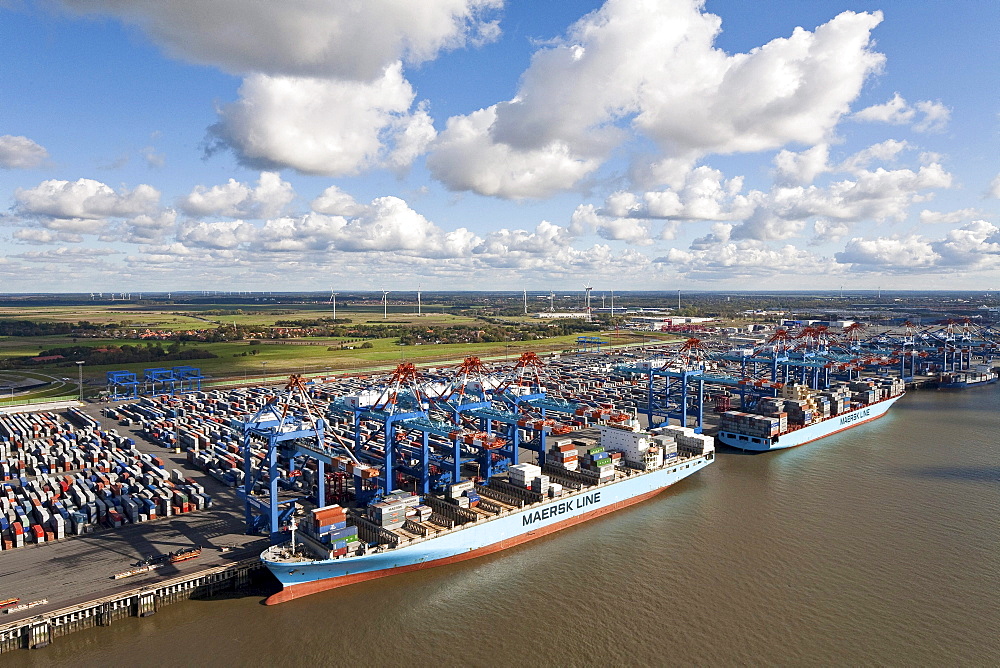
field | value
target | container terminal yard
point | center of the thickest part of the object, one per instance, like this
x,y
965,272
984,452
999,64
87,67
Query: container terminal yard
x,y
177,490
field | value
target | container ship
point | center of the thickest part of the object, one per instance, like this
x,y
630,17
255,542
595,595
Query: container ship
x,y
403,532
802,415
979,375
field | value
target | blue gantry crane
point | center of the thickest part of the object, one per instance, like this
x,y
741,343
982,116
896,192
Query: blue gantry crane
x,y
284,427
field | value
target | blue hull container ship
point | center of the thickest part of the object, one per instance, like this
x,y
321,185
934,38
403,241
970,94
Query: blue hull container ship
x,y
957,380
802,415
404,532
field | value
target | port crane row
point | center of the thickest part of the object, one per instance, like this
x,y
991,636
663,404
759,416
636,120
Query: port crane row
x,y
678,381
403,431
424,431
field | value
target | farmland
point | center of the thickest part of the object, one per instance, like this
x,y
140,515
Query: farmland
x,y
248,342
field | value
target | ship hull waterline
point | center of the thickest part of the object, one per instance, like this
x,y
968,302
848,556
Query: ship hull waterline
x,y
961,385
813,432
300,579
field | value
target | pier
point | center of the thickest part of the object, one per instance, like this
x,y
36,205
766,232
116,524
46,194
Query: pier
x,y
35,631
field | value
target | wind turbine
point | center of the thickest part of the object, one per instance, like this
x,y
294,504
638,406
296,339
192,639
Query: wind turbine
x,y
385,304
525,301
418,300
333,300
588,287
552,297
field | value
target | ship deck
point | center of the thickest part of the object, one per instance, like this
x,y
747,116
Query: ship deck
x,y
402,537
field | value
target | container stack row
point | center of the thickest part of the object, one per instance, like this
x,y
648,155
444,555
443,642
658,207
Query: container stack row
x,y
598,461
78,479
564,454
688,442
329,526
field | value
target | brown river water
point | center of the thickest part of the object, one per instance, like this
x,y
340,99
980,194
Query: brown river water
x,y
876,546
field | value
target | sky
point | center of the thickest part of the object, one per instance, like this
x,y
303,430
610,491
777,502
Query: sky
x,y
498,145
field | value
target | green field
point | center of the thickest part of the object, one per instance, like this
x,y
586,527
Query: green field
x,y
193,316
294,355
251,360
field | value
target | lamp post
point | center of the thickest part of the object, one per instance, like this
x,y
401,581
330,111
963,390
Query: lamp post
x,y
79,366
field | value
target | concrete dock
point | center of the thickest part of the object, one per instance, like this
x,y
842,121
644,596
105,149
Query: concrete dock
x,y
74,575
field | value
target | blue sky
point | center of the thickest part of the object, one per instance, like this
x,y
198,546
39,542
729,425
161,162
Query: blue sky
x,y
482,144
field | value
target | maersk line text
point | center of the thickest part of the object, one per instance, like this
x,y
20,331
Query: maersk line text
x,y
561,508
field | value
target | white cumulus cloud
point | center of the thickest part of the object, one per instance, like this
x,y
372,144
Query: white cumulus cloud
x,y
899,254
925,115
465,157
238,200
41,236
20,153
336,202
792,89
974,245
331,127
801,168
744,260
83,206
930,217
306,38
386,225
651,66
323,89
879,195
885,152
